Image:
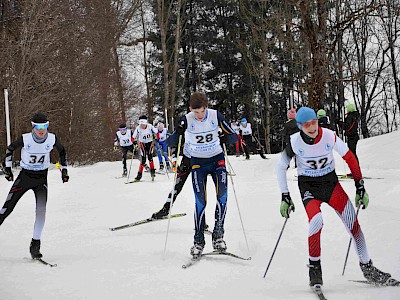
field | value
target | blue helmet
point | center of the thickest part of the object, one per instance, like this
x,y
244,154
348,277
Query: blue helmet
x,y
243,120
305,114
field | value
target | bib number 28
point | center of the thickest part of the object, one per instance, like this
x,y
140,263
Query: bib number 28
x,y
204,139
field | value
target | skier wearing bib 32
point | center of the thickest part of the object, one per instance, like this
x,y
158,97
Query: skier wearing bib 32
x,y
35,160
200,127
313,147
124,138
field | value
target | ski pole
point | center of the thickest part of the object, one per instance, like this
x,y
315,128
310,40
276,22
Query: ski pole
x,y
348,248
276,246
130,167
237,203
173,191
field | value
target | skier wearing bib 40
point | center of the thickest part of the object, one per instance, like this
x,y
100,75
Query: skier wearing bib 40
x,y
313,148
146,133
200,127
35,160
124,139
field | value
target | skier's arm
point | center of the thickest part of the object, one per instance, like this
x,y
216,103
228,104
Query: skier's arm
x,y
63,154
231,136
282,166
116,142
173,139
341,148
10,150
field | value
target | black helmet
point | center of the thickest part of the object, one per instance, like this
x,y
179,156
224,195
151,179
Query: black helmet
x,y
39,118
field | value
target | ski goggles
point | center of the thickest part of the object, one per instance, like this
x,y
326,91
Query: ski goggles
x,y
122,129
39,126
309,123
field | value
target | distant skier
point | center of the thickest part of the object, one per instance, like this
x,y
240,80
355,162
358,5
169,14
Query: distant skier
x,y
247,136
35,160
351,128
238,144
124,139
323,119
146,134
290,126
313,147
161,146
200,127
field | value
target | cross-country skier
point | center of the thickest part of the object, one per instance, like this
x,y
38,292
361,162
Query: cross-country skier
x,y
161,146
146,134
313,148
124,139
35,160
247,136
238,144
323,119
200,127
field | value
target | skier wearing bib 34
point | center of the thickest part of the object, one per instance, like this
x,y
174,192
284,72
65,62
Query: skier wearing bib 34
x,y
35,160
200,127
313,148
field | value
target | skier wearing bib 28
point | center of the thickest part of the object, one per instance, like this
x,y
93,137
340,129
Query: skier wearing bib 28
x,y
200,127
313,148
146,133
35,160
124,139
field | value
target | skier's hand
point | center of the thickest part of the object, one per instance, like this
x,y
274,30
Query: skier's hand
x,y
64,175
362,197
8,174
116,148
287,205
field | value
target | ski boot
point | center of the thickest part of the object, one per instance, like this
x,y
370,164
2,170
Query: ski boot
x,y
124,173
163,212
169,169
138,177
218,243
373,274
315,273
197,249
35,249
161,166
153,174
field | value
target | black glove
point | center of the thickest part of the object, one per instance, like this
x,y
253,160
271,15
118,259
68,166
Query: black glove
x,y
222,138
362,197
8,174
64,175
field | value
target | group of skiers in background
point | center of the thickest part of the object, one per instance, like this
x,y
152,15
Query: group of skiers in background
x,y
200,137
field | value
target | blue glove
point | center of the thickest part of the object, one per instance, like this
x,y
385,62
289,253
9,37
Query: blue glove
x,y
287,205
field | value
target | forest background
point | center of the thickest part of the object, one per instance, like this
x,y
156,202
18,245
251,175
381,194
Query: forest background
x,y
93,64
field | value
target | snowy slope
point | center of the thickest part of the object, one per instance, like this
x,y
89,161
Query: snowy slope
x,y
96,263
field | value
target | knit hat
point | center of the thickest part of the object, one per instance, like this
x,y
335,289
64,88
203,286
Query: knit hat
x,y
244,120
305,114
351,107
39,118
321,113
291,113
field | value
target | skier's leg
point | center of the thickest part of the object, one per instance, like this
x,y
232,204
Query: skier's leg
x,y
41,200
345,210
17,190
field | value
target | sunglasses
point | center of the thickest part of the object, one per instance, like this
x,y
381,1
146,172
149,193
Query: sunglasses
x,y
122,129
309,123
39,126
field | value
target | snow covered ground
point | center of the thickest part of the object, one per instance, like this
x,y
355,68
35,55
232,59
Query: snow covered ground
x,y
96,263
